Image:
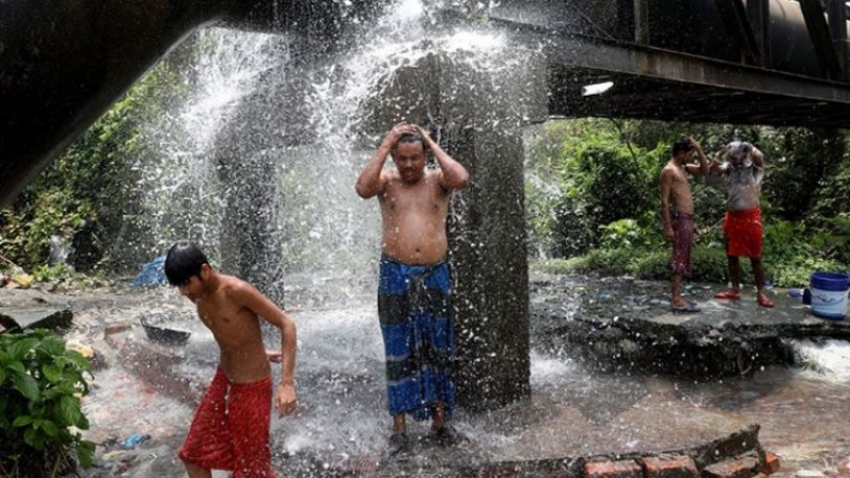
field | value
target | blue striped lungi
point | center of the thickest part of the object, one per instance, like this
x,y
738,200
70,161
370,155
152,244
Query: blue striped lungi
x,y
414,307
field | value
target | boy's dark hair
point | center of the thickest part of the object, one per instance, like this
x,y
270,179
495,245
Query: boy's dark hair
x,y
682,144
183,261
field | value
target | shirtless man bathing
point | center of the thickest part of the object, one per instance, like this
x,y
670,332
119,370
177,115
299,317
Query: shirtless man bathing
x,y
414,291
677,210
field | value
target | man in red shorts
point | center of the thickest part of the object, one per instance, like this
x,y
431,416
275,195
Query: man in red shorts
x,y
743,166
230,430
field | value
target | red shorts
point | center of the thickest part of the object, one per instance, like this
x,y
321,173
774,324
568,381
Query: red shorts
x,y
683,237
230,430
743,232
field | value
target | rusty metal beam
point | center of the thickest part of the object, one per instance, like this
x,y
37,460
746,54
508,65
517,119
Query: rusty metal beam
x,y
680,67
819,33
734,15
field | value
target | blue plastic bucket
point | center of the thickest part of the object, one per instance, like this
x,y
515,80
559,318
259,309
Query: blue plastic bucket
x,y
829,294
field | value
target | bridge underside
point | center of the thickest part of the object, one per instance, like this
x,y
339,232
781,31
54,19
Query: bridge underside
x,y
651,83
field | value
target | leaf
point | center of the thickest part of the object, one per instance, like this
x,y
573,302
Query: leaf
x,y
50,428
21,348
69,411
33,438
17,367
22,421
77,359
52,372
85,453
27,385
53,345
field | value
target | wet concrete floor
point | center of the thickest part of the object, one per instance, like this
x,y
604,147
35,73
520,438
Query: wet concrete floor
x,y
575,409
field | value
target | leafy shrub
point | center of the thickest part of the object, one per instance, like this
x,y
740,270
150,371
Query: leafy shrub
x,y
85,195
41,384
709,265
796,272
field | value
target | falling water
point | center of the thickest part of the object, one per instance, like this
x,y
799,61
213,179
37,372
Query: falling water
x,y
331,236
331,240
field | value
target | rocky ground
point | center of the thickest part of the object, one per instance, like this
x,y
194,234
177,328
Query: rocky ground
x,y
575,410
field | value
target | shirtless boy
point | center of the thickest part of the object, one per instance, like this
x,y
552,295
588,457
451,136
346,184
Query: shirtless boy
x,y
414,292
230,430
743,167
677,209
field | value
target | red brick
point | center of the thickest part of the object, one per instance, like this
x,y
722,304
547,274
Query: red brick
x,y
669,467
770,465
744,466
613,469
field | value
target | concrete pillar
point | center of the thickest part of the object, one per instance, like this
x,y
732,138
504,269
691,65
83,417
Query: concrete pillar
x,y
247,165
481,105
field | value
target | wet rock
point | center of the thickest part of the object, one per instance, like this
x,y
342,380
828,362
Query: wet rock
x,y
59,320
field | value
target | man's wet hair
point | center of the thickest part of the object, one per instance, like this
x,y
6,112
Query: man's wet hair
x,y
739,149
183,261
682,144
412,138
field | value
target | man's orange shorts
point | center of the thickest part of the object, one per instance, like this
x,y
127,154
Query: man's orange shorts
x,y
230,430
743,230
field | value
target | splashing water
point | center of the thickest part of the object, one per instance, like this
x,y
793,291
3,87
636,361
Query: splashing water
x,y
828,361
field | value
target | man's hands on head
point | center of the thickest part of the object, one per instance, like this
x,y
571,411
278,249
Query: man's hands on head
x,y
403,128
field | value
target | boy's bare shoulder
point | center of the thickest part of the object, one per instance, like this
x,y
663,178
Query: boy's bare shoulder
x,y
233,286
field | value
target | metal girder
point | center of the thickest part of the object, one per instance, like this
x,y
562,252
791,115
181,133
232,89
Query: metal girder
x,y
688,69
759,14
837,11
819,33
651,83
734,14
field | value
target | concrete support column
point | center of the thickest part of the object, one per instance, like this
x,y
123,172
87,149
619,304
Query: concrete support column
x,y
247,167
478,107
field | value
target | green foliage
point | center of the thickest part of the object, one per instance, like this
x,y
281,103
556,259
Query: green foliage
x,y
642,233
803,167
63,276
84,195
598,180
41,384
792,253
589,199
709,263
